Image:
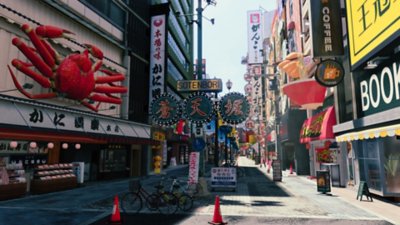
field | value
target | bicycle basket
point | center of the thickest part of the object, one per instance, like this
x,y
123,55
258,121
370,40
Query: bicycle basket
x,y
134,185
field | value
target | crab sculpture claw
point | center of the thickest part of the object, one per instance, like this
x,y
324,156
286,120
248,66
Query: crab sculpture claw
x,y
48,31
95,51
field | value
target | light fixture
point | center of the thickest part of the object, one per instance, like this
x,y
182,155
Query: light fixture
x,y
229,84
13,144
24,86
64,146
33,144
77,146
50,145
109,108
371,65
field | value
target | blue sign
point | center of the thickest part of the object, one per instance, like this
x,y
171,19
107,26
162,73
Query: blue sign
x,y
198,144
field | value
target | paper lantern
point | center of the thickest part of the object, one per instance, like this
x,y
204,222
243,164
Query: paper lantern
x,y
64,146
50,145
13,144
77,146
33,144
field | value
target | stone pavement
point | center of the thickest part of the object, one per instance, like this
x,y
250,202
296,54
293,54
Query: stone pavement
x,y
295,196
379,207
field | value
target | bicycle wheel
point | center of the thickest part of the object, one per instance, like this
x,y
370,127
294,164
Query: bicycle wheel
x,y
131,202
152,202
167,203
185,202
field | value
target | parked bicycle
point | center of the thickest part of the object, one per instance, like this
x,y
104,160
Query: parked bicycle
x,y
185,201
164,202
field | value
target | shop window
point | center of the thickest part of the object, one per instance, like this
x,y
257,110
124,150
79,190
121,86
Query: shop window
x,y
391,164
113,160
370,167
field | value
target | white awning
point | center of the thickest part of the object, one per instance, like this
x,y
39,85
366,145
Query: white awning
x,y
380,132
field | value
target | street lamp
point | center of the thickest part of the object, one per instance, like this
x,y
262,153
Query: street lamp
x,y
229,85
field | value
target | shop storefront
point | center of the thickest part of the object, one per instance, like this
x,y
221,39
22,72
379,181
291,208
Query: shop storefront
x,y
373,138
42,146
293,153
317,134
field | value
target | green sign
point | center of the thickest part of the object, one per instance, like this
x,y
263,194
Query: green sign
x,y
363,190
198,108
165,110
234,108
208,85
378,90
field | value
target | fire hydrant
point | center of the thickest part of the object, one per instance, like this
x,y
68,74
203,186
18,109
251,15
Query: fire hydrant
x,y
157,163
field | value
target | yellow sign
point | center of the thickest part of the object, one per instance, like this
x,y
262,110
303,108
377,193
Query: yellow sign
x,y
211,85
370,23
158,136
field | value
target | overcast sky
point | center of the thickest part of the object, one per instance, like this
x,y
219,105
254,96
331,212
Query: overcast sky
x,y
225,42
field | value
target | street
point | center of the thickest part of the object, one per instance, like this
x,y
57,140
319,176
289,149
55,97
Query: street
x,y
257,200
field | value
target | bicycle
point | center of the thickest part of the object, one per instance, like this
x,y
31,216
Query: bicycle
x,y
185,201
162,201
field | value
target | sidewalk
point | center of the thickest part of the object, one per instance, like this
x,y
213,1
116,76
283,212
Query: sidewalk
x,y
380,208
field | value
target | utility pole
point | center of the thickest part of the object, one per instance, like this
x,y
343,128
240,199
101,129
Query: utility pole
x,y
199,70
216,142
199,40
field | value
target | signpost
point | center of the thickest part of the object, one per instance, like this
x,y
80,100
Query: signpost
x,y
209,85
363,190
223,177
323,181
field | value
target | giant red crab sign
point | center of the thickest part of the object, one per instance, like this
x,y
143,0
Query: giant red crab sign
x,y
71,77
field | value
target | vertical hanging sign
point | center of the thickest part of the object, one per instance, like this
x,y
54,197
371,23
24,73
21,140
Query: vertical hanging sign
x,y
255,38
157,55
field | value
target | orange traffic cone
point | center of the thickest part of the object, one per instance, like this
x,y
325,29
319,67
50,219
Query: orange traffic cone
x,y
115,216
217,218
291,169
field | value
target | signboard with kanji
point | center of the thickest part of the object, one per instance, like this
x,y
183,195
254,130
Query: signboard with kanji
x,y
223,177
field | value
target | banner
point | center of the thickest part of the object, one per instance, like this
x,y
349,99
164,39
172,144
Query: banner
x,y
194,159
255,37
157,55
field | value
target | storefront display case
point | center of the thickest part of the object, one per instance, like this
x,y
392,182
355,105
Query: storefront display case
x,y
12,180
51,178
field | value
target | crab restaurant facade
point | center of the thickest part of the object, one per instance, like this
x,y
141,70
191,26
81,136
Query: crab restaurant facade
x,y
48,140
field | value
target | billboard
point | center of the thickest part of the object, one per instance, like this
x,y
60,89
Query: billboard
x,y
371,26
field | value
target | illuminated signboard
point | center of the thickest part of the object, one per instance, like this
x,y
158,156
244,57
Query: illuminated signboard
x,y
211,85
371,26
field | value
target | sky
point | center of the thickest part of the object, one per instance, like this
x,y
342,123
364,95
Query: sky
x,y
225,42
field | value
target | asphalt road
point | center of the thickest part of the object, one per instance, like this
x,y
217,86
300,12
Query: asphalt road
x,y
257,200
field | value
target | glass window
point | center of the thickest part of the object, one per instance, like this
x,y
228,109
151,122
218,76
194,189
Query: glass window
x,y
109,10
368,153
391,164
113,160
